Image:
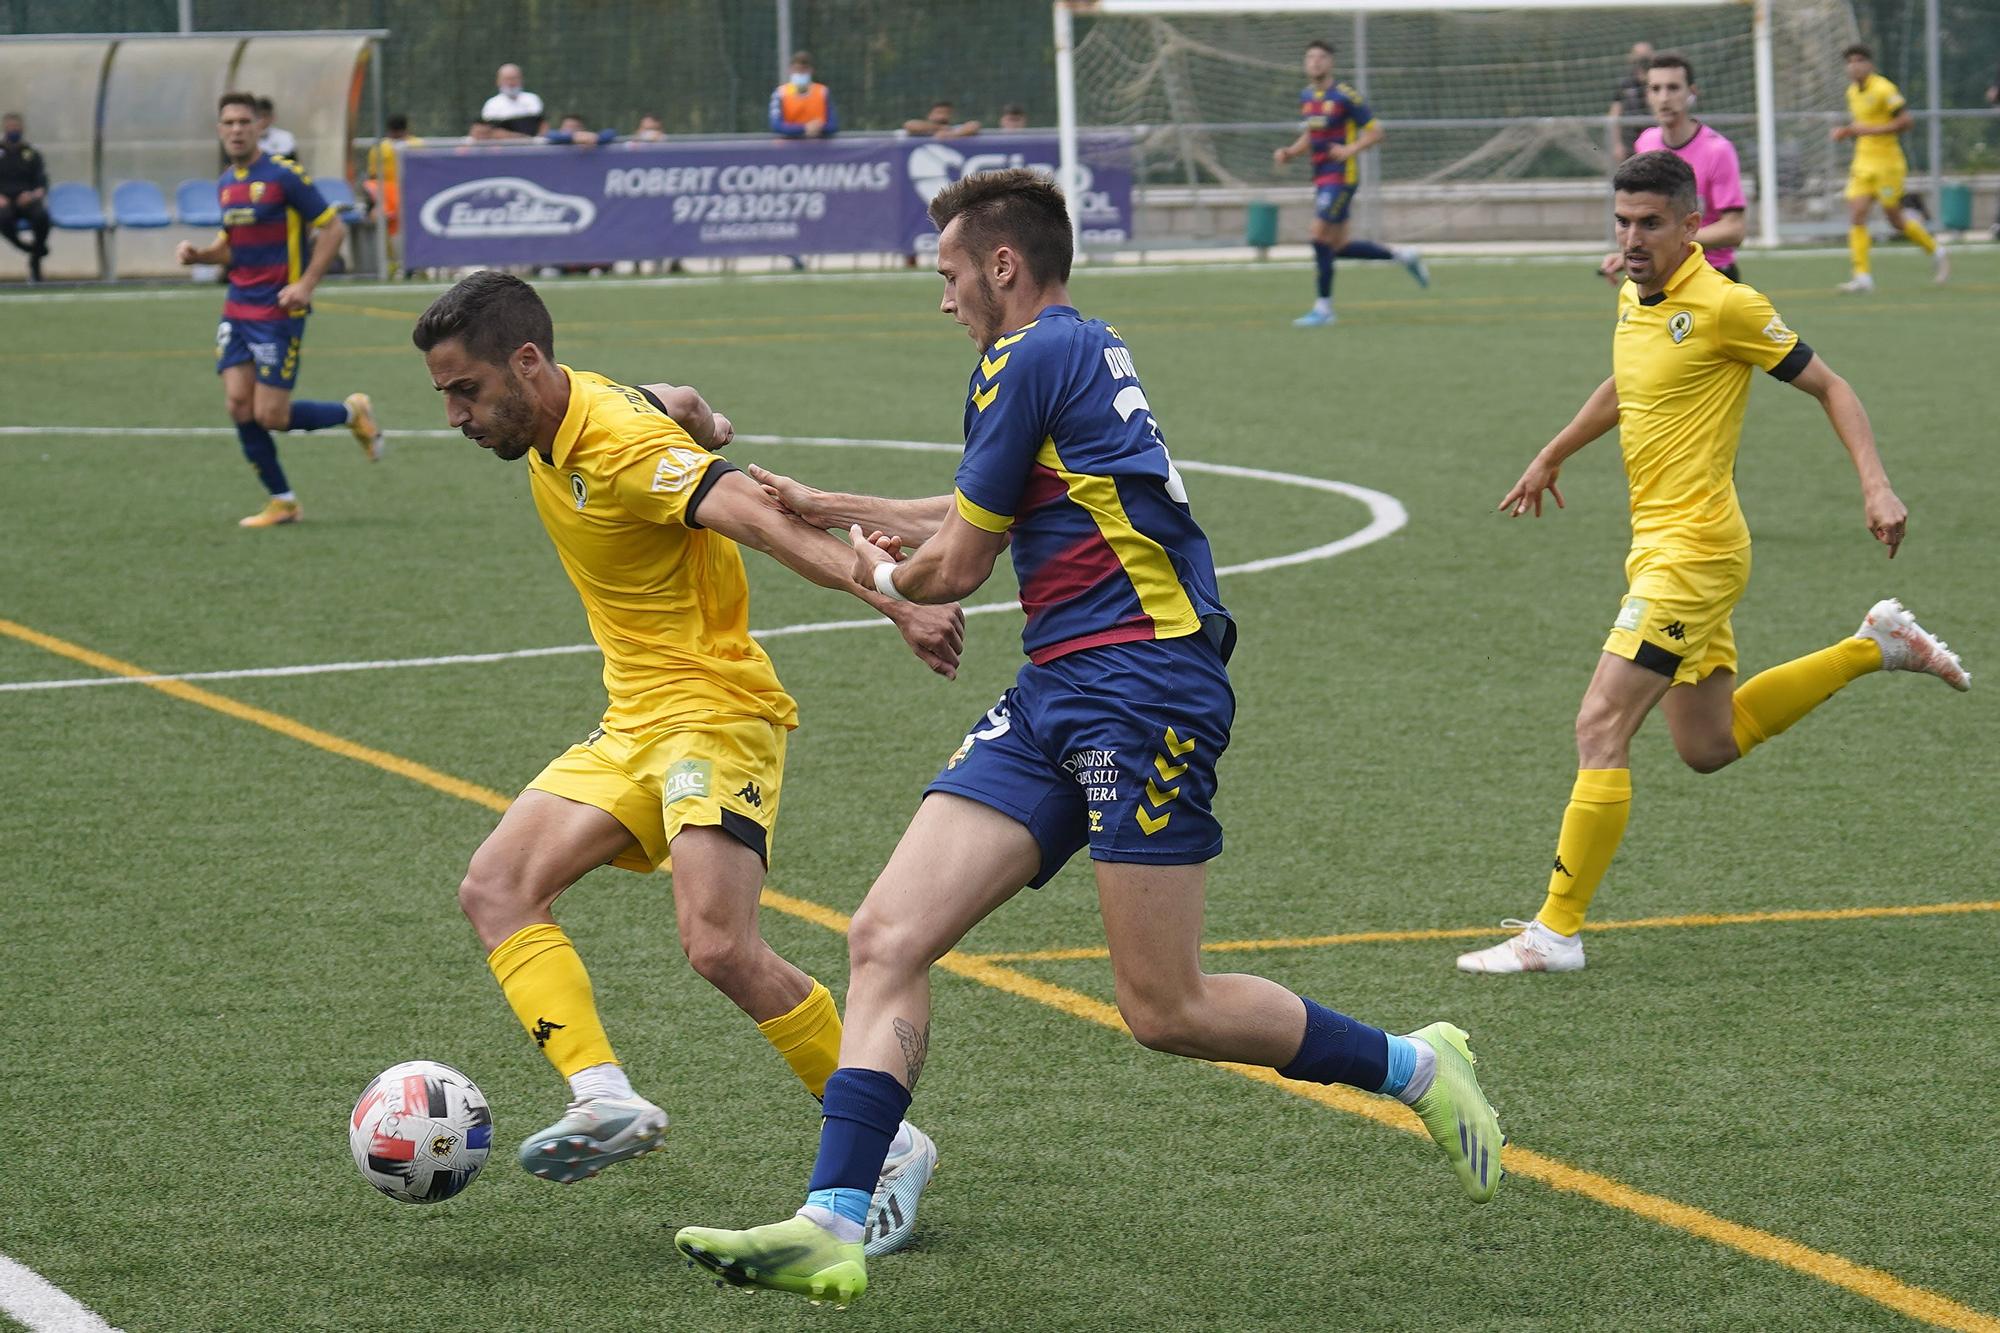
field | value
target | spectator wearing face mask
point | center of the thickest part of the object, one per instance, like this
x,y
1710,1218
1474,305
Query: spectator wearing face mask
x,y
802,108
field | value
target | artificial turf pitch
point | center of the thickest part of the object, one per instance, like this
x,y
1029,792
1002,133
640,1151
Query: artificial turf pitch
x,y
213,933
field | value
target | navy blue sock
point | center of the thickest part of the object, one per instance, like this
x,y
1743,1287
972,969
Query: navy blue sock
x,y
1323,261
262,451
309,415
1366,250
863,1107
1337,1049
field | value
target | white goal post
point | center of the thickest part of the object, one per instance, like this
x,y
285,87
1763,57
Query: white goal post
x,y
1066,12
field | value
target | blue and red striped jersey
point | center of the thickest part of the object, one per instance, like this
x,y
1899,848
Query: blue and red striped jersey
x,y
267,207
1062,451
1333,115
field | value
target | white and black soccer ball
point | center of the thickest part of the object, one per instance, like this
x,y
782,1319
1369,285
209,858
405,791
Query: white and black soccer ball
x,y
420,1131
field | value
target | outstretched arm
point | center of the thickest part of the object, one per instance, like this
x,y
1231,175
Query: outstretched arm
x,y
915,521
735,507
951,565
1598,414
1887,518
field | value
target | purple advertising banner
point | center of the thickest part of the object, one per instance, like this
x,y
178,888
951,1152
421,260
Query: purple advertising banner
x,y
549,204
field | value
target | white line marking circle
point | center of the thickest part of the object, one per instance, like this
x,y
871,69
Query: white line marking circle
x,y
1386,515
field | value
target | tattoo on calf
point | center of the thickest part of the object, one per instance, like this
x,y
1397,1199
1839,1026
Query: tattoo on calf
x,y
916,1045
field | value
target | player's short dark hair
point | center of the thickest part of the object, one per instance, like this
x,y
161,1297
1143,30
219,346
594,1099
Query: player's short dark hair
x,y
802,58
1659,172
267,106
1674,60
1320,44
399,121
228,100
1858,50
493,313
1017,208
944,102
1013,109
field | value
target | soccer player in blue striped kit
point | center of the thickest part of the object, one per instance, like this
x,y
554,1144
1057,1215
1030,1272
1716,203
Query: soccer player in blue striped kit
x,y
1108,740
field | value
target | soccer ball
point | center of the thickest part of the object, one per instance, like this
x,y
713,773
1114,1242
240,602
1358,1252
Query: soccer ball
x,y
420,1131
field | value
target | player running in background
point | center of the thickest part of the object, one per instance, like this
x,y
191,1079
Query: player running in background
x,y
1108,740
1682,351
1338,128
268,206
1878,115
688,761
1718,180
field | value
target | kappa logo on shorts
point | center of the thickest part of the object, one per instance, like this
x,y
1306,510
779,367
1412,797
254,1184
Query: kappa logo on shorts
x,y
751,794
686,779
1680,325
1676,631
1631,615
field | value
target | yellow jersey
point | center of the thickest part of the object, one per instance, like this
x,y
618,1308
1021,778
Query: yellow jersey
x,y
1682,362
666,598
1875,101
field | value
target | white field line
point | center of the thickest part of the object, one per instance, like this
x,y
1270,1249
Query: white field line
x,y
30,1299
1385,516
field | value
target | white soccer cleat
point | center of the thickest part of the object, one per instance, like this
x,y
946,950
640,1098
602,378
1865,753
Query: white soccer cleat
x,y
892,1212
1860,282
1535,949
1908,646
593,1134
1940,266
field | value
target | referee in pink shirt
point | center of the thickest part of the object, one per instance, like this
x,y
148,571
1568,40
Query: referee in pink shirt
x,y
1717,179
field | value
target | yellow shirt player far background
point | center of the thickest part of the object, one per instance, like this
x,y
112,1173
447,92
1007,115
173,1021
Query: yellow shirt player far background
x,y
1877,115
667,600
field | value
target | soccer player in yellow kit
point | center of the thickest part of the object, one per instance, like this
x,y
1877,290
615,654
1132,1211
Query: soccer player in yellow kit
x,y
688,761
1878,115
1685,343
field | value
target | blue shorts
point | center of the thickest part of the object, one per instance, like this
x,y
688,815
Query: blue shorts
x,y
1113,748
1331,200
272,345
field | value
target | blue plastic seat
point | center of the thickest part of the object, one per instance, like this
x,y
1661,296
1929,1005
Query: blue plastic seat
x,y
74,206
139,204
195,202
336,191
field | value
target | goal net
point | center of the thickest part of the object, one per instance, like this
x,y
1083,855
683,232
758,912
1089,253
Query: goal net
x,y
1498,119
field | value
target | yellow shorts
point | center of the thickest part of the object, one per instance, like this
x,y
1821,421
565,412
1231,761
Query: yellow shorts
x,y
1675,619
718,771
1883,183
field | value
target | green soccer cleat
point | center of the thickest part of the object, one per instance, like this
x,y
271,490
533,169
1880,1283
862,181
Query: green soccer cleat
x,y
1458,1115
796,1255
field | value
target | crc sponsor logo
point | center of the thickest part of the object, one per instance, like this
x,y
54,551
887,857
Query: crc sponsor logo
x,y
932,166
504,206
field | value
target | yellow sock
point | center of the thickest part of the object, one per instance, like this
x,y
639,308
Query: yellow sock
x,y
809,1038
543,978
1772,700
1857,247
1592,827
1915,231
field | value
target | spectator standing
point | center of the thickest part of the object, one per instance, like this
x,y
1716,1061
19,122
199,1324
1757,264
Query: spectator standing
x,y
272,141
1013,118
24,185
937,125
385,176
801,107
1628,105
513,108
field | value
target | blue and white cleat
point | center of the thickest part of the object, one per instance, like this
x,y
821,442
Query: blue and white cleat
x,y
1315,318
1410,258
594,1134
892,1212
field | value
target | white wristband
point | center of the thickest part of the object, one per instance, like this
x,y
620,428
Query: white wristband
x,y
885,581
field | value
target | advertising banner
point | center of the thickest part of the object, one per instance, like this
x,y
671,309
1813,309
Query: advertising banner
x,y
539,204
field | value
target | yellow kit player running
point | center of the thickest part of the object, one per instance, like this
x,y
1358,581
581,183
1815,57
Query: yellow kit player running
x,y
1878,116
689,760
1686,341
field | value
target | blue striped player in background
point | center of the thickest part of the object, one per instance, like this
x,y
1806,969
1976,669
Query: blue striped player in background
x,y
1108,740
1338,128
268,207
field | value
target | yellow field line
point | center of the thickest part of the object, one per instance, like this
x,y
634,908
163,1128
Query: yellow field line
x,y
1873,1283
1689,921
